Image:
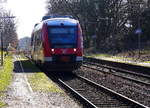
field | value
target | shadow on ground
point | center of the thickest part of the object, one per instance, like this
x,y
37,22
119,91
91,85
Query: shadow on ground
x,y
25,66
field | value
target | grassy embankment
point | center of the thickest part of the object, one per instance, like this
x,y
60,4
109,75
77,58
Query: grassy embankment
x,y
38,80
110,57
132,57
5,77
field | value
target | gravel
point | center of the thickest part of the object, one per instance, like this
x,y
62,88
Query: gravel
x,y
95,95
134,91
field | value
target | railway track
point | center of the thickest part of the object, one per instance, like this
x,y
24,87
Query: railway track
x,y
126,74
124,66
96,95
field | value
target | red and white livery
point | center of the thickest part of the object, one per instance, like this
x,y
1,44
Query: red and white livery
x,y
57,44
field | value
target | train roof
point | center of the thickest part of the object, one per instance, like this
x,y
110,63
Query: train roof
x,y
56,16
56,22
61,21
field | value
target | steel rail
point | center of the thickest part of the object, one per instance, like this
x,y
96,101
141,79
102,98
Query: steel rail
x,y
112,93
119,69
56,77
118,95
134,68
131,79
78,95
85,101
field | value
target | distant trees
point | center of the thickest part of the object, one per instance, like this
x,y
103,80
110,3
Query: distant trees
x,y
8,29
24,44
113,22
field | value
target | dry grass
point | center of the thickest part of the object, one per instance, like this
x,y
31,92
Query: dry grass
x,y
5,76
40,82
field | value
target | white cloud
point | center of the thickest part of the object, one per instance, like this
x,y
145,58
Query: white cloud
x,y
28,12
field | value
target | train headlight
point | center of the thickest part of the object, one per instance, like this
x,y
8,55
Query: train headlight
x,y
52,50
74,49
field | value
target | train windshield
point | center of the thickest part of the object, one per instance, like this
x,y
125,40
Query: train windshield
x,y
63,37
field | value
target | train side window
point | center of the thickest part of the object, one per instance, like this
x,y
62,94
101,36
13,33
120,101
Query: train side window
x,y
33,42
38,38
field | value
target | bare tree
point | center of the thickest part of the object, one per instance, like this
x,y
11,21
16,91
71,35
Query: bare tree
x,y
8,30
112,21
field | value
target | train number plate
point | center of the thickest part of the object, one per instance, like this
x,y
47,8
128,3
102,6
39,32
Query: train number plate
x,y
65,58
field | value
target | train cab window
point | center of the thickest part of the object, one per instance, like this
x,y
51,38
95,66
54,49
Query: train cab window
x,y
63,37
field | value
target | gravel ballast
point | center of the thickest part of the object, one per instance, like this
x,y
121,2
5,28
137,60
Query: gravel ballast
x,y
134,91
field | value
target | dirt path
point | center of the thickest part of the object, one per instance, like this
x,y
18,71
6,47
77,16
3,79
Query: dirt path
x,y
20,94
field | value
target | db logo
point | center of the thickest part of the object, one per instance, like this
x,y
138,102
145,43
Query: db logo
x,y
64,51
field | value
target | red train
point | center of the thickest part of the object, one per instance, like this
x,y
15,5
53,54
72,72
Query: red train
x,y
57,44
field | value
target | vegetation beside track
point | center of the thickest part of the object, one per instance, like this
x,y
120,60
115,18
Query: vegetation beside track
x,y
111,57
2,104
135,57
38,80
5,77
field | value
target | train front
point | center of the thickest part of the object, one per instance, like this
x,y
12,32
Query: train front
x,y
64,45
